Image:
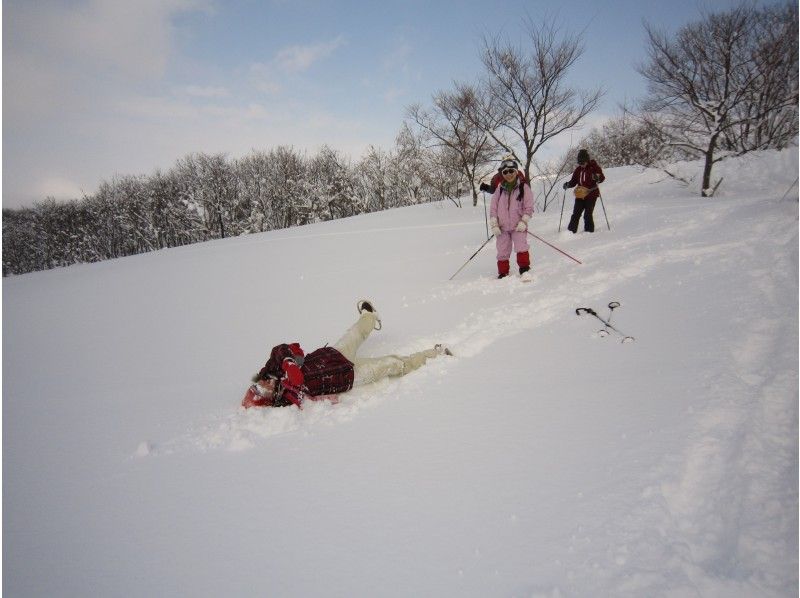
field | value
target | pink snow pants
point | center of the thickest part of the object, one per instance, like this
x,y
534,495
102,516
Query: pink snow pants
x,y
505,240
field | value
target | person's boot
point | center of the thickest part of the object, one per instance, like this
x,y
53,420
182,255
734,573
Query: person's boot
x,y
523,261
503,268
365,305
573,225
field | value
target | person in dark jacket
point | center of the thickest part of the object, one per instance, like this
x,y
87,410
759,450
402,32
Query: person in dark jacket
x,y
586,178
290,377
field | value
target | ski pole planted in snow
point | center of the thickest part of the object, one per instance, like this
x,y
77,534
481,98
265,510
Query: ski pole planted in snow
x,y
485,215
789,189
563,199
602,205
470,258
554,247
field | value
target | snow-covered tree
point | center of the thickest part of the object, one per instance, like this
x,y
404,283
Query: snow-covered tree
x,y
725,85
333,186
625,140
409,165
207,185
373,180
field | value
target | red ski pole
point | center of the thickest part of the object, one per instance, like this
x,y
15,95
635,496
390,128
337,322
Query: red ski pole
x,y
554,247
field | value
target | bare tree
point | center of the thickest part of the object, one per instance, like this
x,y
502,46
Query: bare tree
x,y
529,101
452,127
546,185
726,85
769,118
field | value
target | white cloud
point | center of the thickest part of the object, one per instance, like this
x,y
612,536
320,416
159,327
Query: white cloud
x,y
300,58
198,91
392,94
398,57
63,57
268,78
132,38
264,79
58,188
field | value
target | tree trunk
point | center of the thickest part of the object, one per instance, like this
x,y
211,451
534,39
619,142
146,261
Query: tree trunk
x,y
709,163
221,224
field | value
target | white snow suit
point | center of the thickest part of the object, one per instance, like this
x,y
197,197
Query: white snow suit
x,y
372,369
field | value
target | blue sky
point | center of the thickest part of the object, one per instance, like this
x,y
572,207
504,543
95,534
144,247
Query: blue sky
x,y
100,87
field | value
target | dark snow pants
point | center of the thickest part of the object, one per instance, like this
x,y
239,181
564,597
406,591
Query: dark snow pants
x,y
585,207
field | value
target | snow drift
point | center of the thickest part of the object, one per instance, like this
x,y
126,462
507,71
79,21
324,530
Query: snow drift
x,y
541,460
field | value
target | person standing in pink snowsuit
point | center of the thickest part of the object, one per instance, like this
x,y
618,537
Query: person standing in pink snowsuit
x,y
512,208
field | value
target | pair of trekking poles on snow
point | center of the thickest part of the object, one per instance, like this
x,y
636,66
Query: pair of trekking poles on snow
x,y
607,328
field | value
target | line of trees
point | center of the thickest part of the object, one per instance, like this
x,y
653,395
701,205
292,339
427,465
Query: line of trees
x,y
721,87
206,197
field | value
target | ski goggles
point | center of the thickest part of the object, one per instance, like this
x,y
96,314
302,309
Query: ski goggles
x,y
508,171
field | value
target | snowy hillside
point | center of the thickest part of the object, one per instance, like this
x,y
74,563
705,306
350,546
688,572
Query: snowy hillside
x,y
540,460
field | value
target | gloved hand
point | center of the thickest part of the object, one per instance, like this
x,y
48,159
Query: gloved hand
x,y
486,187
494,226
522,226
565,185
595,177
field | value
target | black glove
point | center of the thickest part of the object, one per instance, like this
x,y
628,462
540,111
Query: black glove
x,y
565,185
486,187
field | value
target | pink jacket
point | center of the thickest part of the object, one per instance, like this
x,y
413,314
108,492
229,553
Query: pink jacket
x,y
509,208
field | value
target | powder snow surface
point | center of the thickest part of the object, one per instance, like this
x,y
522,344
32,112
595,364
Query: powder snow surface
x,y
541,460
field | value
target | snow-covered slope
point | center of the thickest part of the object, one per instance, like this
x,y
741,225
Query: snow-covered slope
x,y
541,460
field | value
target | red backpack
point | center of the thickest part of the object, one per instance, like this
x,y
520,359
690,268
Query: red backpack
x,y
322,372
498,178
327,372
273,368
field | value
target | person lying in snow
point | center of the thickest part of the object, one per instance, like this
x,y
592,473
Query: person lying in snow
x,y
290,377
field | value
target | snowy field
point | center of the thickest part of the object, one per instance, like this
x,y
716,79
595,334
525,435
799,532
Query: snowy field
x,y
540,461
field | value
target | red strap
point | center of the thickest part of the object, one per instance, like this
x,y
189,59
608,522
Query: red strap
x,y
292,373
294,395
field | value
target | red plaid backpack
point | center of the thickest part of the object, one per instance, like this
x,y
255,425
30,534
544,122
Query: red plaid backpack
x,y
322,372
327,372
